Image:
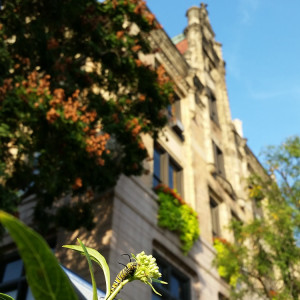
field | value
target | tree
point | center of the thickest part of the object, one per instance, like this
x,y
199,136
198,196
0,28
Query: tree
x,y
75,100
265,259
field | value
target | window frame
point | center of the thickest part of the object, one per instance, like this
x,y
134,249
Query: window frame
x,y
213,107
214,206
236,218
198,84
158,153
219,160
174,117
177,172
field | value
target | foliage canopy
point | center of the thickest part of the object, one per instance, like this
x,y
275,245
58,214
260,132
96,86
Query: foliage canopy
x,y
265,259
75,100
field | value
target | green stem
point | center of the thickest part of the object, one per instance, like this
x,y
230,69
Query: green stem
x,y
117,290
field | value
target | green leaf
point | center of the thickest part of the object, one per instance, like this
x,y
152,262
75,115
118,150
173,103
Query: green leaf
x,y
95,295
5,130
159,281
5,297
99,259
45,277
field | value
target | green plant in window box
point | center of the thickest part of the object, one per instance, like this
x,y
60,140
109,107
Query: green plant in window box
x,y
226,263
176,215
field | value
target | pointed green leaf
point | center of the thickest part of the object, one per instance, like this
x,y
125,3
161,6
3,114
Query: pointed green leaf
x,y
5,297
159,281
99,259
45,277
95,295
153,289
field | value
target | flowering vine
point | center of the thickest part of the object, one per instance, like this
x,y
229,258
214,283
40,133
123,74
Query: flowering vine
x,y
79,95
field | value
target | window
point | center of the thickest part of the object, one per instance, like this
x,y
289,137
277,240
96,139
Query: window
x,y
174,116
219,160
197,83
166,170
174,175
174,112
157,166
214,212
235,218
13,281
212,107
178,287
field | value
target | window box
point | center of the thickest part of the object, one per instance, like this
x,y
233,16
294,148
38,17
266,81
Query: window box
x,y
176,215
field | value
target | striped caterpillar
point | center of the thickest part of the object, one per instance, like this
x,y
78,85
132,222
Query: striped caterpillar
x,y
124,274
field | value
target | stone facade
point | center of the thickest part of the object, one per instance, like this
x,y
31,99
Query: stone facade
x,y
210,159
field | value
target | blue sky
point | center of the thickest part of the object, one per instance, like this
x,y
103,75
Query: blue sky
x,y
261,47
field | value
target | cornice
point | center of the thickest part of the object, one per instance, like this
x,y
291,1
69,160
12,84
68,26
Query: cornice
x,y
172,58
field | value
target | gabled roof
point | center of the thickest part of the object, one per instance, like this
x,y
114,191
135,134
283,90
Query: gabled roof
x,y
180,42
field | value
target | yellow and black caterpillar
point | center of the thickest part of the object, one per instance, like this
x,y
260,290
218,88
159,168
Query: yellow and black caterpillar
x,y
124,274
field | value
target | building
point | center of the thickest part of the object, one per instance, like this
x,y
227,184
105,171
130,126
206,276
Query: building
x,y
201,153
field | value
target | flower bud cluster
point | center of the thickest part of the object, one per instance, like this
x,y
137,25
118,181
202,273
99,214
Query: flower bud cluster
x,y
147,267
147,270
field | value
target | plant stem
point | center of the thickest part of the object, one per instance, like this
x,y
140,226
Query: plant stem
x,y
117,290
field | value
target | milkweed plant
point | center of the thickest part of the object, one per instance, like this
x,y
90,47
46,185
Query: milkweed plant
x,y
146,271
53,283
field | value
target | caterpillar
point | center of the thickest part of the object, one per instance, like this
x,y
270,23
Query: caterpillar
x,y
124,274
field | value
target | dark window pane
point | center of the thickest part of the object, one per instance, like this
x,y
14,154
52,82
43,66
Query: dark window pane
x,y
175,287
155,297
163,269
214,217
156,163
213,107
12,270
219,160
171,176
156,168
178,284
